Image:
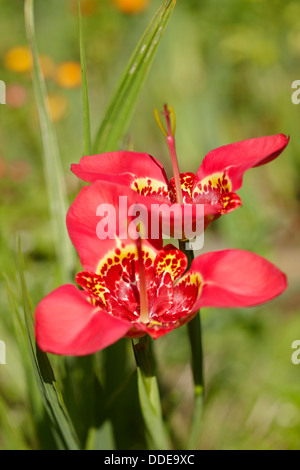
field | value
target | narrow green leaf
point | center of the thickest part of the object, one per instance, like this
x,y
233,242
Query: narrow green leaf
x,y
52,163
20,335
116,378
101,438
122,104
149,395
44,375
85,94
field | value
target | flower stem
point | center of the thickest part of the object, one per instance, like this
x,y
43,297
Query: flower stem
x,y
194,330
149,394
195,336
169,134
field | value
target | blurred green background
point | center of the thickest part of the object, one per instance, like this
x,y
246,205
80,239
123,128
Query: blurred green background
x,y
227,69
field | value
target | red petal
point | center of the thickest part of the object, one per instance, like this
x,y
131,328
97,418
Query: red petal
x,y
186,293
128,165
155,329
170,260
95,287
235,159
66,323
82,222
160,295
230,202
237,278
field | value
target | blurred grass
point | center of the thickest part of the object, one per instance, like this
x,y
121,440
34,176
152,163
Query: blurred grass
x,y
227,70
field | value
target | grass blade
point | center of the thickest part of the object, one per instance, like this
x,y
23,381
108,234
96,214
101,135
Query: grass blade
x,y
121,107
44,375
85,95
52,162
21,338
149,395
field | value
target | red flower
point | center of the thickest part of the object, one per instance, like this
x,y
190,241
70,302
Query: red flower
x,y
214,186
132,288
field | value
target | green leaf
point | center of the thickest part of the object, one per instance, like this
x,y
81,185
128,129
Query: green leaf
x,y
44,375
122,104
149,395
101,438
20,334
85,94
52,162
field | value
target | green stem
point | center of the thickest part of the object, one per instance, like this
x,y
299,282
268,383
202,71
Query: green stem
x,y
149,394
195,336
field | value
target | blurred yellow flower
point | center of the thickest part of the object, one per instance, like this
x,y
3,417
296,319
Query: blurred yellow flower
x,y
18,59
131,6
58,106
68,74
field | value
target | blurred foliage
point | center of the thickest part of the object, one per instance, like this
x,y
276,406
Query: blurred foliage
x,y
227,69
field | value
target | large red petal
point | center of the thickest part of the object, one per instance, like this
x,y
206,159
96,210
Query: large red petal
x,y
236,158
237,278
127,165
82,221
67,323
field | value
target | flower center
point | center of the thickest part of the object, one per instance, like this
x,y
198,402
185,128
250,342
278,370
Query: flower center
x,y
122,282
149,289
187,183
